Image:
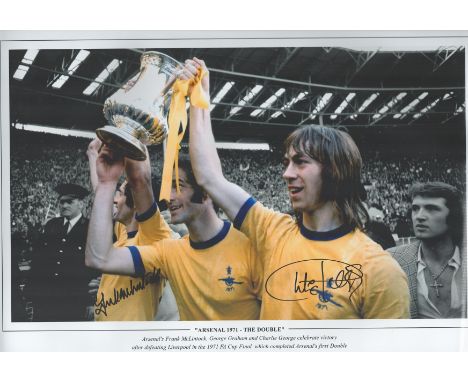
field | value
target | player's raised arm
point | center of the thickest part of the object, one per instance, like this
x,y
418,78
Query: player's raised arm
x,y
204,157
92,152
100,253
139,177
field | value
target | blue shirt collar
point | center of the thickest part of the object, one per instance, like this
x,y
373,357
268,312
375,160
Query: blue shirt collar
x,y
325,235
131,234
214,240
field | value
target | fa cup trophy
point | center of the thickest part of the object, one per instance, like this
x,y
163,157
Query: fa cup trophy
x,y
137,113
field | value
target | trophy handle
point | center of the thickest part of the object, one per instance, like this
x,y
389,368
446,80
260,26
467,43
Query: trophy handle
x,y
168,85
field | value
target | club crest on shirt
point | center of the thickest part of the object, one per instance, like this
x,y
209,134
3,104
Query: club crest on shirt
x,y
229,281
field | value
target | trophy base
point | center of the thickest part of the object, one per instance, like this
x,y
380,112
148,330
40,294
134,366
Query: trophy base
x,y
127,144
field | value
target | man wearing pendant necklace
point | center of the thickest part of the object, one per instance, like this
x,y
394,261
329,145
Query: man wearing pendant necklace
x,y
435,264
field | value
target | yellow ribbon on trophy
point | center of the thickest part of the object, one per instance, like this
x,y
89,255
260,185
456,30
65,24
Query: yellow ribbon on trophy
x,y
178,118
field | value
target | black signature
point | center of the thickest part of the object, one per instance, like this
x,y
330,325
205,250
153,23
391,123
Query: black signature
x,y
349,277
102,304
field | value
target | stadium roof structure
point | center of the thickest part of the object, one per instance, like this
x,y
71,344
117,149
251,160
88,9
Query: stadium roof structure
x,y
255,92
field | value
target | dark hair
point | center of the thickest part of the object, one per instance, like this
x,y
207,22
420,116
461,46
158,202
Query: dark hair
x,y
198,192
454,203
341,169
129,196
156,187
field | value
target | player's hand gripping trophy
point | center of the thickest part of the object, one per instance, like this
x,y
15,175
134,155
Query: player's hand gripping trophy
x,y
137,113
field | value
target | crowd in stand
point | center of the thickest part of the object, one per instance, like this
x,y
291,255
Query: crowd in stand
x,y
387,180
36,168
40,162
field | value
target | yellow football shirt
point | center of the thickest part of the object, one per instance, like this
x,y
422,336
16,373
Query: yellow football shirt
x,y
124,298
340,274
214,280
